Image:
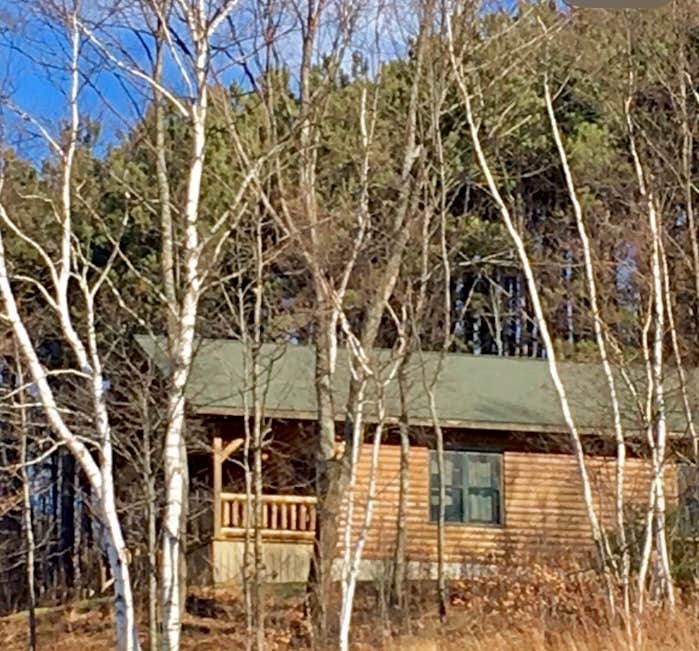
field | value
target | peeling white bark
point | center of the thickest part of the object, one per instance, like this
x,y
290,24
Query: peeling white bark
x,y
100,478
181,354
99,475
520,248
602,346
352,553
657,423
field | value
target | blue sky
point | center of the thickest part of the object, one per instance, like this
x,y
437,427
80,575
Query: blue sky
x,y
33,55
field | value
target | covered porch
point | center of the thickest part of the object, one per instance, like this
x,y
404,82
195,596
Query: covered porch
x,y
288,524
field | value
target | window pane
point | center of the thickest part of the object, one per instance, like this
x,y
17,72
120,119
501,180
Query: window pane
x,y
480,471
481,507
495,461
453,487
433,465
483,486
453,505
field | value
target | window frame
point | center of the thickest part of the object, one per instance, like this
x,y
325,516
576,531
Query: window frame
x,y
688,489
500,456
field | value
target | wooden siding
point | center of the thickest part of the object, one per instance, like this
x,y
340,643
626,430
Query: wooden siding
x,y
543,510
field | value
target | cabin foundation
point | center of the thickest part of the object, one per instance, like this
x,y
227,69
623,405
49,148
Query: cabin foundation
x,y
283,562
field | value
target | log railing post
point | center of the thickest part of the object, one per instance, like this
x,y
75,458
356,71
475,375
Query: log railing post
x,y
292,508
284,508
312,525
218,485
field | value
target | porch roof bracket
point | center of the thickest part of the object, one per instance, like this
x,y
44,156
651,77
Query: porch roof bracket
x,y
226,452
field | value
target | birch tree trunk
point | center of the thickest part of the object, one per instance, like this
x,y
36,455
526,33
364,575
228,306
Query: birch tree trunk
x,y
596,531
78,539
171,307
249,576
151,530
442,591
442,596
353,552
100,479
655,363
686,178
183,287
649,531
350,557
337,479
600,339
328,467
99,474
398,595
27,519
181,353
258,435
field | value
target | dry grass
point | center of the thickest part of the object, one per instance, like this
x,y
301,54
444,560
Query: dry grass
x,y
678,632
531,609
541,608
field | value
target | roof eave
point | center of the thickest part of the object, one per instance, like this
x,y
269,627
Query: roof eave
x,y
288,414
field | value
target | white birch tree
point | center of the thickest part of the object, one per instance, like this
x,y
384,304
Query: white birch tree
x,y
70,277
654,357
457,51
186,37
601,341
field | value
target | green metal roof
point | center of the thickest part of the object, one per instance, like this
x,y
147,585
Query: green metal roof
x,y
470,391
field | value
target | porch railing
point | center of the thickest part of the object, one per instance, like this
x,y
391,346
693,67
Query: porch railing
x,y
284,517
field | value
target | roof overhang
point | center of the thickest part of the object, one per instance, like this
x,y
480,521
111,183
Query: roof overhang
x,y
485,426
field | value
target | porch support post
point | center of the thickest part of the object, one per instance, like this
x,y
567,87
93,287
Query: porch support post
x,y
218,481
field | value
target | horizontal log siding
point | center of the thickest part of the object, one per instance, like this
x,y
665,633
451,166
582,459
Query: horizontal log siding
x,y
543,509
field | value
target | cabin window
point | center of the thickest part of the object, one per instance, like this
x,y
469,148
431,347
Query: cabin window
x,y
688,492
471,485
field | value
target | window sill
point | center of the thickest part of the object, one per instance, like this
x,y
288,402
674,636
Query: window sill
x,y
469,525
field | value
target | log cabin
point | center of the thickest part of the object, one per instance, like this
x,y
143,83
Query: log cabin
x,y
513,489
